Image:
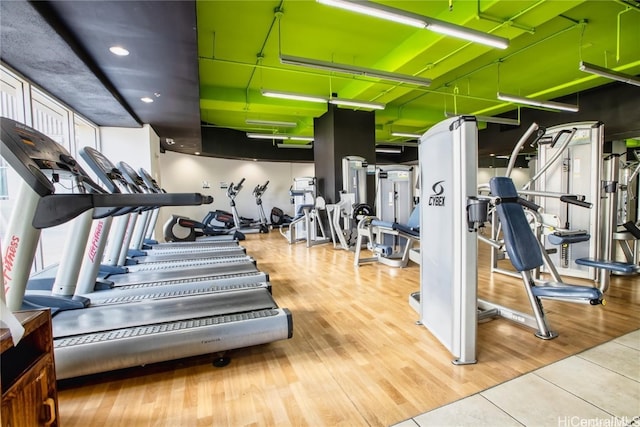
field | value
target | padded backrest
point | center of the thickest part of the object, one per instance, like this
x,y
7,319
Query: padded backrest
x,y
414,218
520,242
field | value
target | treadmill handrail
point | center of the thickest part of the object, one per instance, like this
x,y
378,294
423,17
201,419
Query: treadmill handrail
x,y
56,209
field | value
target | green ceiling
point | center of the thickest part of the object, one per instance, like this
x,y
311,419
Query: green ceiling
x,y
239,43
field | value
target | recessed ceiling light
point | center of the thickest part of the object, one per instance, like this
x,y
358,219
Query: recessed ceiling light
x,y
119,50
197,153
146,99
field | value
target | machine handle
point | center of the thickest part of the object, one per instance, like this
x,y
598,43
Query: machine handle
x,y
239,185
559,134
632,228
539,134
56,209
528,204
573,200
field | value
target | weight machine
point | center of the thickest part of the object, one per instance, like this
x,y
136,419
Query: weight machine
x,y
354,177
307,223
352,207
447,303
570,161
394,203
627,248
570,169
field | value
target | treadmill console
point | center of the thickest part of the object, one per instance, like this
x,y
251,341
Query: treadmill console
x,y
151,183
38,159
106,171
132,177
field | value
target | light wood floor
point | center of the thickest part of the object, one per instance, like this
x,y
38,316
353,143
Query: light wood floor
x,y
356,359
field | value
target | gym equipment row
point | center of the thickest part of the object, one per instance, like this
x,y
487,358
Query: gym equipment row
x,y
166,313
218,224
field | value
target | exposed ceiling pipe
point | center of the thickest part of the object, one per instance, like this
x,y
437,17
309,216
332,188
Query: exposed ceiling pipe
x,y
498,61
310,72
302,71
278,12
456,51
511,21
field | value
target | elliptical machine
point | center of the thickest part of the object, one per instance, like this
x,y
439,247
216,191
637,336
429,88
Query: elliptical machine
x,y
248,225
182,229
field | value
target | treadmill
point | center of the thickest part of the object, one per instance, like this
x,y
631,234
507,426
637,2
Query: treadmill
x,y
230,235
121,275
230,248
133,234
98,339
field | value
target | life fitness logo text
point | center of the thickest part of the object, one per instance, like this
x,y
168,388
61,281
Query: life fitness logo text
x,y
10,257
437,199
93,249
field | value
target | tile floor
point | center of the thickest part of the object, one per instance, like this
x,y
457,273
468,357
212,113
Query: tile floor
x,y
596,388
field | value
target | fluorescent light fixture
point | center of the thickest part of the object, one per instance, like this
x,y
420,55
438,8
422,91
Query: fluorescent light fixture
x,y
279,136
359,104
275,123
373,10
299,146
118,50
537,103
389,150
146,100
266,136
488,119
608,73
293,96
467,34
418,21
406,134
355,70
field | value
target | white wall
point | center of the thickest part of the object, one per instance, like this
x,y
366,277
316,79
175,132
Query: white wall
x,y
520,176
182,173
135,146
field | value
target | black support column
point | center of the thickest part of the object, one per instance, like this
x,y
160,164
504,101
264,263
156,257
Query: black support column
x,y
339,133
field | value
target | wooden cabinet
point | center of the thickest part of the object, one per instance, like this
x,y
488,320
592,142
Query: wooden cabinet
x,y
29,394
